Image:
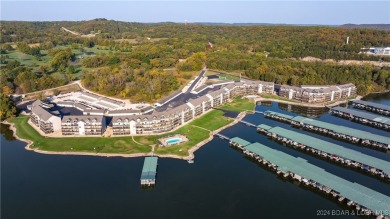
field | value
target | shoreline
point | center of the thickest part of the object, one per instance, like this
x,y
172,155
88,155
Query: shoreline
x,y
191,151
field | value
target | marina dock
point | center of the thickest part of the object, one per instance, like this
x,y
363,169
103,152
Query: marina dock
x,y
149,171
362,117
351,135
336,153
365,200
373,107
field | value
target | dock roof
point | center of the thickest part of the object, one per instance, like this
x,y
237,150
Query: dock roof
x,y
343,129
278,114
376,105
364,196
331,148
149,169
363,115
264,126
240,141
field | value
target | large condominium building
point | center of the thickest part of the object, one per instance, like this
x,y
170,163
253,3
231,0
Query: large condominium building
x,y
43,119
83,125
317,94
159,122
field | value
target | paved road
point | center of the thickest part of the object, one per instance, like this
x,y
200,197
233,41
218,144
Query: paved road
x,y
200,76
184,97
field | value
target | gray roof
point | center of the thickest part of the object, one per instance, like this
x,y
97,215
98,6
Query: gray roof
x,y
376,105
343,130
41,112
363,115
145,109
198,101
217,92
125,111
99,118
94,110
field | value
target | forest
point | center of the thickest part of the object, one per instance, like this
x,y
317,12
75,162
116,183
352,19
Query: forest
x,y
144,62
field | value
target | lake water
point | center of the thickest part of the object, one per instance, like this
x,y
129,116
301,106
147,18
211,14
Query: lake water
x,y
221,183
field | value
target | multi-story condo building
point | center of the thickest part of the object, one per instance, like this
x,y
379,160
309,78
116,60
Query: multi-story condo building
x,y
317,94
43,119
83,125
158,122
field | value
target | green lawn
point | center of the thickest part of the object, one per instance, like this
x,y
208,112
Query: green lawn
x,y
228,77
239,104
121,145
212,120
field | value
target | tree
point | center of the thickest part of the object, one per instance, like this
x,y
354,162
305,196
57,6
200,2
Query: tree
x,y
60,59
7,107
44,68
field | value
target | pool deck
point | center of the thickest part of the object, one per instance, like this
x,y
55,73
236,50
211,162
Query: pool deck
x,y
165,141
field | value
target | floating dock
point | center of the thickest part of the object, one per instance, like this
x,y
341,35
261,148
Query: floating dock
x,y
362,117
373,107
149,171
367,139
365,200
334,152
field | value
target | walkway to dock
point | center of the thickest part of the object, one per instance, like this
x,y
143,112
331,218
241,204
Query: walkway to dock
x,y
258,112
247,123
373,107
149,171
224,137
331,150
320,179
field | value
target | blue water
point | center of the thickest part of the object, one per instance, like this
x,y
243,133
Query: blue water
x,y
173,140
221,183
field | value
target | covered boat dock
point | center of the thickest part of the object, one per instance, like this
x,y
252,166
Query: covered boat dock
x,y
362,117
337,153
363,198
149,171
373,107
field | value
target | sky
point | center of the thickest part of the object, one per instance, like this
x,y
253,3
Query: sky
x,y
280,12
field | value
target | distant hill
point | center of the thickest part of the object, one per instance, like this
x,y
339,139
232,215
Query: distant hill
x,y
385,27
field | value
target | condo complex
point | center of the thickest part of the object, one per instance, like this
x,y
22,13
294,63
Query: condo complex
x,y
100,114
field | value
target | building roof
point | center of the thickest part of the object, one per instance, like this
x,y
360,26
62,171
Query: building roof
x,y
364,196
125,111
217,92
198,101
41,112
94,111
149,169
146,109
268,112
98,118
375,105
331,148
363,115
240,141
343,129
264,126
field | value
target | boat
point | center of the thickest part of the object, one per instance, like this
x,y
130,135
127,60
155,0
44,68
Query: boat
x,y
190,161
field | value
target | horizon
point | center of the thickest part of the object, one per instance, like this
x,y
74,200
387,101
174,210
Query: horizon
x,y
326,13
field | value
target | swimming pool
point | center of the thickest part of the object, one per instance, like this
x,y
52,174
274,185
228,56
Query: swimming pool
x,y
173,140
